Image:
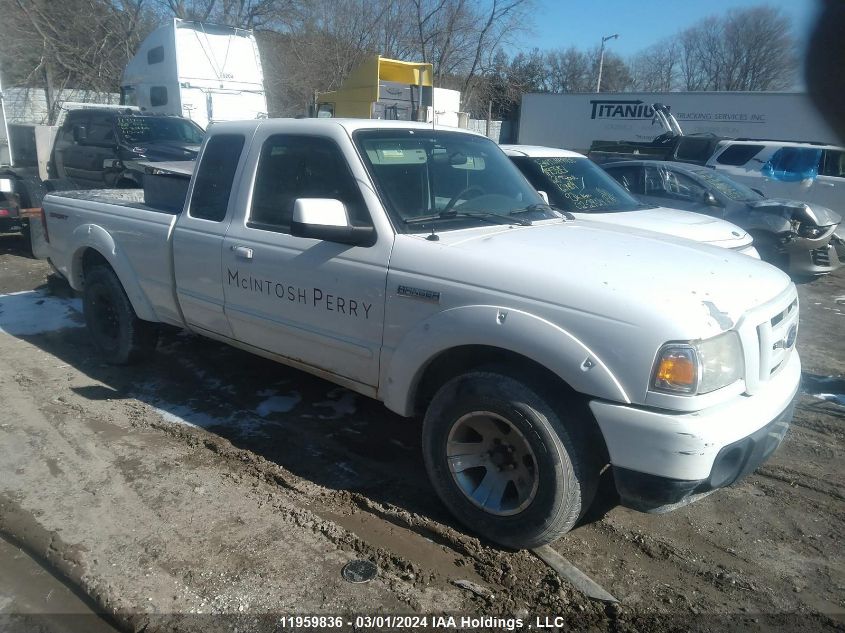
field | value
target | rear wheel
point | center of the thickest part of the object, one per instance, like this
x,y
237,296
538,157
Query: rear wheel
x,y
506,462
119,335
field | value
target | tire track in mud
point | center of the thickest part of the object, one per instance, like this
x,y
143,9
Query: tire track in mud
x,y
406,543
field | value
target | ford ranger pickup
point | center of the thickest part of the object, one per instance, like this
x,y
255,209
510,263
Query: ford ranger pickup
x,y
419,267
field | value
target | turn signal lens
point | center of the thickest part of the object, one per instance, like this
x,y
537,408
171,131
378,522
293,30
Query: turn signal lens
x,y
676,370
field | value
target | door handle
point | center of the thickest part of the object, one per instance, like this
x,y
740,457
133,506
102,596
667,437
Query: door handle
x,y
244,252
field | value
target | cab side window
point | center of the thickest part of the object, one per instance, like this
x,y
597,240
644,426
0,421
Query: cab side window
x,y
666,183
292,167
216,176
682,186
73,120
101,129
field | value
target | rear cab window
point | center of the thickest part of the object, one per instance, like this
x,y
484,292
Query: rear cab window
x,y
737,155
216,176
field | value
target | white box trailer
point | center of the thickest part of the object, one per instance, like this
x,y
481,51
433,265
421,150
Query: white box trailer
x,y
203,72
574,121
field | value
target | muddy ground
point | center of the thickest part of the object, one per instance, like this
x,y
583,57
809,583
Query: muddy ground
x,y
209,481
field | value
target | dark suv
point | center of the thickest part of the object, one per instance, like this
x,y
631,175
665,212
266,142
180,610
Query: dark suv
x,y
100,147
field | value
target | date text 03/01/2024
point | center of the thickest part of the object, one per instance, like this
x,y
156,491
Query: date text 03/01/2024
x,y
411,622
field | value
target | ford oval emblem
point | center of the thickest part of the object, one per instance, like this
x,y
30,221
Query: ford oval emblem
x,y
791,336
735,234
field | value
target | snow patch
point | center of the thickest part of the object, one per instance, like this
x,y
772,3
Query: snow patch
x,y
35,312
278,404
838,398
243,421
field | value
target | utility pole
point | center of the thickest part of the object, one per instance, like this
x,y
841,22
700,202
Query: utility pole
x,y
601,57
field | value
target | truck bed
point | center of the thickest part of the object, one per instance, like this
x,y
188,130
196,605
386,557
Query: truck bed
x,y
117,221
131,198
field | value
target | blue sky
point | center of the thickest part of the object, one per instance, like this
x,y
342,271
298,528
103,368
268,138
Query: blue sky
x,y
640,23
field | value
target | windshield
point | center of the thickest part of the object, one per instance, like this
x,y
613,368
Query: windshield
x,y
146,129
424,176
576,184
727,187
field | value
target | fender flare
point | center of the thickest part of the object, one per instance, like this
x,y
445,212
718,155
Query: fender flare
x,y
95,237
513,330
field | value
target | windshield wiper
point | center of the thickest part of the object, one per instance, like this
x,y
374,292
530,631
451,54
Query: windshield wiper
x,y
540,207
480,215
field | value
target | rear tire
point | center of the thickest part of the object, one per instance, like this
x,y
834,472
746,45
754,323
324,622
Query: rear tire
x,y
117,332
507,463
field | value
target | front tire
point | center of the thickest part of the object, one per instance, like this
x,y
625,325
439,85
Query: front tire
x,y
507,463
117,332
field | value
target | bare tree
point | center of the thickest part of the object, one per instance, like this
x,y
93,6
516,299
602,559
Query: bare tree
x,y
247,14
71,44
569,70
657,68
748,49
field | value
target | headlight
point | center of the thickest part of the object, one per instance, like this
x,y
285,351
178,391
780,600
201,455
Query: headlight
x,y
699,366
810,230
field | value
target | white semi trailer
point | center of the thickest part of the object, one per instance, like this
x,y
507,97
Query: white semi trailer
x,y
575,120
203,72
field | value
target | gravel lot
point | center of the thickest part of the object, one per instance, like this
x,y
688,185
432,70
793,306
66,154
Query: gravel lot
x,y
210,481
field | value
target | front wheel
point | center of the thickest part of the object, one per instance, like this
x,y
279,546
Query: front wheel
x,y
119,335
508,464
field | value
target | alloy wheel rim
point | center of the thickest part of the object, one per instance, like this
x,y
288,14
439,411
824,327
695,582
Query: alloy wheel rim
x,y
492,463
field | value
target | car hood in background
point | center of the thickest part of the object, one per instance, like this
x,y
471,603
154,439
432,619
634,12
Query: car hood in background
x,y
685,224
168,151
821,216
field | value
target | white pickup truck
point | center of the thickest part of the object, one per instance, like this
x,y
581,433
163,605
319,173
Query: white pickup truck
x,y
419,267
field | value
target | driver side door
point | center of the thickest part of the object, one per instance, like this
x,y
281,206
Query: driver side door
x,y
315,302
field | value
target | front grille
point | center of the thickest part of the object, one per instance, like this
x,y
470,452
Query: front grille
x,y
820,256
774,337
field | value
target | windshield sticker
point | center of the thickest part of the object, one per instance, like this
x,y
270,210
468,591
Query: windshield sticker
x,y
316,298
571,185
725,186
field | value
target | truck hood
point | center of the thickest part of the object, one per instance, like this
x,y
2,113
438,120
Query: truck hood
x,y
797,210
619,273
685,224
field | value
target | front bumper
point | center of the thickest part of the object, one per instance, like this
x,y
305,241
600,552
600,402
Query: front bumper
x,y
812,257
662,460
11,225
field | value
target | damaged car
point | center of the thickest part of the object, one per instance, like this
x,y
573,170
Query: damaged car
x,y
801,238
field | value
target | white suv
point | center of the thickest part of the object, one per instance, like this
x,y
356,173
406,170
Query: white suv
x,y
808,172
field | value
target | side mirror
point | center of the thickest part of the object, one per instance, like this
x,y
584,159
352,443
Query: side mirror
x,y
327,219
710,199
544,196
80,134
